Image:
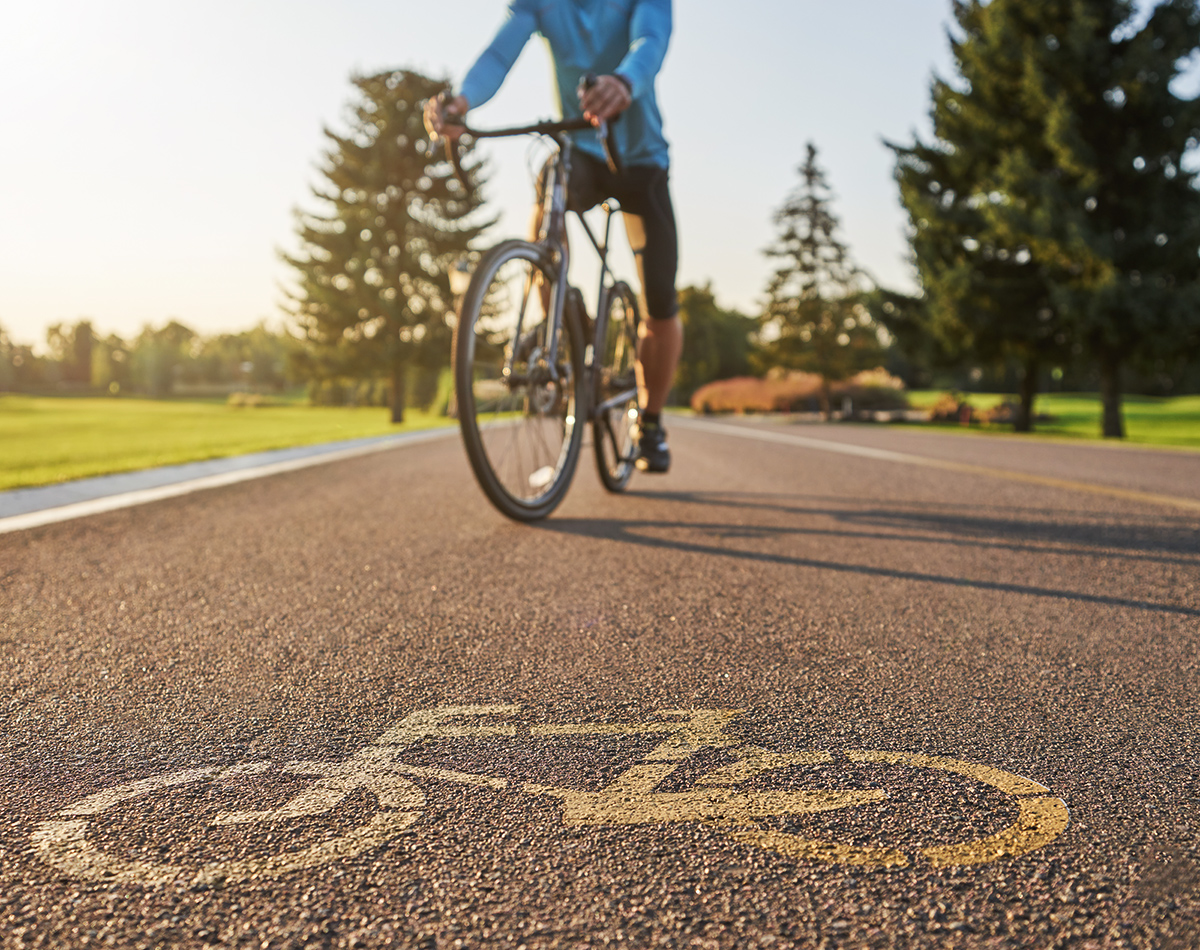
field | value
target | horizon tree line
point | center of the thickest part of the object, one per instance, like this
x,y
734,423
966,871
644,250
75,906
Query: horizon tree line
x,y
1054,223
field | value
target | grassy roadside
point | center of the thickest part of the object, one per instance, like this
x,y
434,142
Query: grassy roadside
x,y
1148,421
48,440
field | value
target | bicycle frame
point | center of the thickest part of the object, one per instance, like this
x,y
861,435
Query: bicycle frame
x,y
558,253
553,240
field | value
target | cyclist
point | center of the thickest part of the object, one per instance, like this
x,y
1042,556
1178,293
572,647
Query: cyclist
x,y
623,43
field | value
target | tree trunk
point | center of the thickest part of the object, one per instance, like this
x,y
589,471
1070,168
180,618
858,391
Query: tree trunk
x,y
1029,390
1110,396
399,378
826,399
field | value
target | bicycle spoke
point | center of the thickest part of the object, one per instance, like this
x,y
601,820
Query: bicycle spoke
x,y
615,394
519,422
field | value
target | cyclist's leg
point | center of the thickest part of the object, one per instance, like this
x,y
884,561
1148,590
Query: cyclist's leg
x,y
537,222
650,224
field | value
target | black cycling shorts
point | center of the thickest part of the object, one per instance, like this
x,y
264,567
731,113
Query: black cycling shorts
x,y
645,201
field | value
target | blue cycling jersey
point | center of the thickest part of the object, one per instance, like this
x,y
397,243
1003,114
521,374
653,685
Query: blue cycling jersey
x,y
625,37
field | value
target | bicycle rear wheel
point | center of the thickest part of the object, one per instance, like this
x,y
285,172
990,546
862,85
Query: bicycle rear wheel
x,y
518,413
615,399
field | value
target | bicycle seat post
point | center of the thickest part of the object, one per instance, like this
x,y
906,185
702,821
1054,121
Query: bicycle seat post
x,y
610,207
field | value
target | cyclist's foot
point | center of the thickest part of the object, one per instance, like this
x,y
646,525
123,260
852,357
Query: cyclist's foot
x,y
653,453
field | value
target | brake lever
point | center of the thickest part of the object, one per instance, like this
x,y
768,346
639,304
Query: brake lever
x,y
607,139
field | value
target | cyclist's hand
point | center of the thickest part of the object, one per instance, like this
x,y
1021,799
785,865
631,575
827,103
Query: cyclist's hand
x,y
606,100
435,117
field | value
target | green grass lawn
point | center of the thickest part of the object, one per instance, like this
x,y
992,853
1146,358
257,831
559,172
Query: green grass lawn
x,y
48,440
1148,421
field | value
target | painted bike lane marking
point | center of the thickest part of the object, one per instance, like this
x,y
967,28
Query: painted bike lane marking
x,y
717,798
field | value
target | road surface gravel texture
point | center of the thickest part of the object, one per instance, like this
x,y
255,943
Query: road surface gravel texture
x,y
784,696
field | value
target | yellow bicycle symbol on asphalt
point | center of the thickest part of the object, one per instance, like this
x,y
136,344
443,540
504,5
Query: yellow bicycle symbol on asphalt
x,y
718,799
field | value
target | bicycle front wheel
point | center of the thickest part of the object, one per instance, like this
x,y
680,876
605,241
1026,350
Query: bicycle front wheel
x,y
518,407
615,400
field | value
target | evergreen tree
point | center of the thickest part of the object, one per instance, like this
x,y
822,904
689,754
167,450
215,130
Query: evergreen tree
x,y
815,318
373,298
913,353
1121,215
1052,213
986,295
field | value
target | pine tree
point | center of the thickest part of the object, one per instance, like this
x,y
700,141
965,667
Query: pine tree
x,y
987,297
1121,215
373,298
1052,214
815,318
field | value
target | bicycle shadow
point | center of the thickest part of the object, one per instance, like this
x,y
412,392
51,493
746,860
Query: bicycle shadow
x,y
1089,540
1168,539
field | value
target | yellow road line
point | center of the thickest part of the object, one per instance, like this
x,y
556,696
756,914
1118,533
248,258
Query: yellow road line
x,y
965,468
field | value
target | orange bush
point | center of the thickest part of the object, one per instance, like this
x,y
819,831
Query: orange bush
x,y
784,391
777,393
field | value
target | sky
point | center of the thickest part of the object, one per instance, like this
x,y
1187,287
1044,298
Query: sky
x,y
151,154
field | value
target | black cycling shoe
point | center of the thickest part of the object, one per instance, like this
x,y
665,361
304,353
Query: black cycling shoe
x,y
653,453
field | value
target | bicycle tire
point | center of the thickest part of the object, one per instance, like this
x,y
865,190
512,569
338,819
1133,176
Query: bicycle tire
x,y
615,356
522,430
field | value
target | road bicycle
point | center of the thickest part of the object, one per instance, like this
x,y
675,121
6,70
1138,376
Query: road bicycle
x,y
530,366
691,767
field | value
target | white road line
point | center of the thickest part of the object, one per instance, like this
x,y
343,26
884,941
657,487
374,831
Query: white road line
x,y
787,438
903,458
83,509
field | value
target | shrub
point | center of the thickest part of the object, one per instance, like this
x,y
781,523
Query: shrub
x,y
777,393
952,407
782,391
873,390
247,400
1002,414
1005,414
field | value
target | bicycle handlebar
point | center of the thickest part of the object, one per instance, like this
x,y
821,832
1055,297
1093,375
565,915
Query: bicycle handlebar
x,y
552,128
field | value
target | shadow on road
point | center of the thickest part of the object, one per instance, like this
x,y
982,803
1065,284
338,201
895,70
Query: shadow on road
x,y
1097,539
1169,539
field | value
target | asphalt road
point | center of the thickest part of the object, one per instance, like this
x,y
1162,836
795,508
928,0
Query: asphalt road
x,y
918,691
